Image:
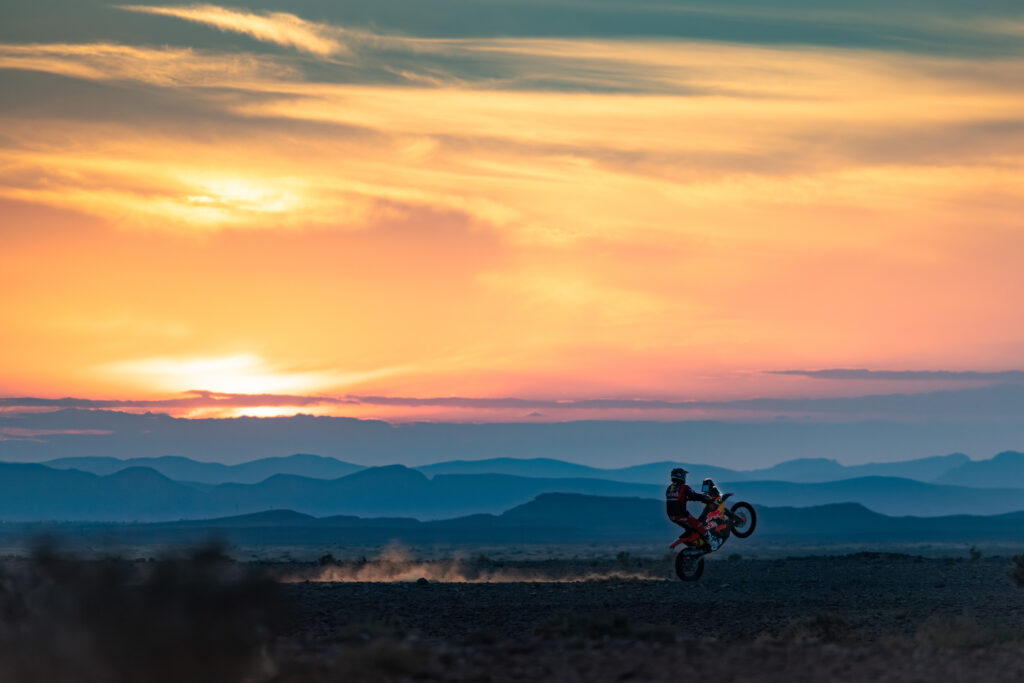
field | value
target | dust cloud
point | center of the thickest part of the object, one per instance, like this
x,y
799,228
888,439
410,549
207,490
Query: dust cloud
x,y
396,564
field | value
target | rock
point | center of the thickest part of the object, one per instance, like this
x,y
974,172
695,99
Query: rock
x,y
422,581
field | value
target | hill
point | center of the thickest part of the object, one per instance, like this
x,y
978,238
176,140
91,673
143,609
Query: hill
x,y
887,495
37,492
1005,469
203,475
188,470
803,470
552,518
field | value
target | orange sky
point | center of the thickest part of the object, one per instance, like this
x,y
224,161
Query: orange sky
x,y
315,209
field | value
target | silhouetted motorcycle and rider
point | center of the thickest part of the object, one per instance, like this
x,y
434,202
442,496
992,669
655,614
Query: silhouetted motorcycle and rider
x,y
705,534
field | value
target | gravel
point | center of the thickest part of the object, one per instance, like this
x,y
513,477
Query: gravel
x,y
867,616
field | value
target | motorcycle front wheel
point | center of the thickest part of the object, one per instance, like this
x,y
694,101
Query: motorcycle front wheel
x,y
688,567
744,519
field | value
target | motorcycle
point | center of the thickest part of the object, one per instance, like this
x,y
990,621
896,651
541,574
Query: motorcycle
x,y
720,522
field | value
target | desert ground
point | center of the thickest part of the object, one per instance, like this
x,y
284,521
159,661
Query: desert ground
x,y
396,617
852,618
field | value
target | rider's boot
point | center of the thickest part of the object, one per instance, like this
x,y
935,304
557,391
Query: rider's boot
x,y
706,537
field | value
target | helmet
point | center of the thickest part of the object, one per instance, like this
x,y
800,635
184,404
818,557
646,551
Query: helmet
x,y
679,475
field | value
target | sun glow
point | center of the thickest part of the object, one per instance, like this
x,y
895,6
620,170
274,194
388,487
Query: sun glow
x,y
268,411
244,195
237,374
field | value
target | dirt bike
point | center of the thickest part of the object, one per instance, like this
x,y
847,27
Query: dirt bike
x,y
720,522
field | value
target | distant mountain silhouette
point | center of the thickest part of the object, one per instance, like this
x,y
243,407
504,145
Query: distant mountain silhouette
x,y
522,467
816,470
1005,469
395,490
805,470
37,492
188,470
553,517
887,495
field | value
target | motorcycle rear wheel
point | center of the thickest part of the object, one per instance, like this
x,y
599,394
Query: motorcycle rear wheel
x,y
688,567
745,519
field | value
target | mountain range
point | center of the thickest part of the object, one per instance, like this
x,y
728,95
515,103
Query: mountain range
x,y
551,518
194,471
1005,470
37,492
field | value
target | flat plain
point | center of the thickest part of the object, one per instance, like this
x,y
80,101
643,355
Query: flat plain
x,y
853,617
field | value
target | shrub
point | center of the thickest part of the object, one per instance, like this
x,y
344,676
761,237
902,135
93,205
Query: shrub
x,y
1017,571
198,617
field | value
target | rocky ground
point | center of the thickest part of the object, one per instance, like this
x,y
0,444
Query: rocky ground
x,y
852,618
203,616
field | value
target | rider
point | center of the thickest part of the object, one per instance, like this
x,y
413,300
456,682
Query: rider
x,y
676,496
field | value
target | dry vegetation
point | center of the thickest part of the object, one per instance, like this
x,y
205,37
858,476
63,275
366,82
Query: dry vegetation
x,y
1017,571
195,617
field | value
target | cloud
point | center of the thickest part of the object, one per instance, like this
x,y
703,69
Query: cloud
x,y
938,375
991,403
828,132
192,399
23,434
1000,400
272,27
166,66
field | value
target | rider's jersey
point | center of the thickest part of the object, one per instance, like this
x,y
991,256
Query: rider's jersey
x,y
676,496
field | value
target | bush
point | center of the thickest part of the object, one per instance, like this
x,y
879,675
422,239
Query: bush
x,y
1017,572
197,618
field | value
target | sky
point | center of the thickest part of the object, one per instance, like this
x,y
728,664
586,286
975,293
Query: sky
x,y
483,210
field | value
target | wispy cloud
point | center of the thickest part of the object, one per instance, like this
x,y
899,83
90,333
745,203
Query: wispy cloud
x,y
166,66
995,402
937,375
22,434
281,28
514,158
191,399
